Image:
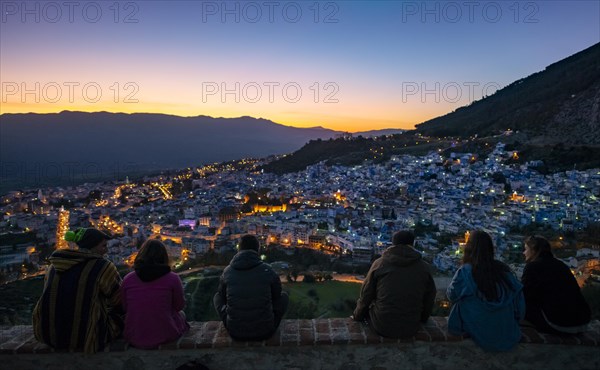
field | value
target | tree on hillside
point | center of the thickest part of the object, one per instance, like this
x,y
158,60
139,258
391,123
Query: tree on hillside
x,y
318,276
290,278
309,278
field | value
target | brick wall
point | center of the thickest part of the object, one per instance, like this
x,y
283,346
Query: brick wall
x,y
318,343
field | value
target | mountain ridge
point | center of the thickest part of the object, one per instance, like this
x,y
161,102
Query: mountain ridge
x,y
32,143
564,97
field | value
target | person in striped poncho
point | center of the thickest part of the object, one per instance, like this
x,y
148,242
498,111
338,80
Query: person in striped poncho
x,y
80,308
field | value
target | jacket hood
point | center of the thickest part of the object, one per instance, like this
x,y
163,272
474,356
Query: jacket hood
x,y
507,292
401,255
64,259
151,272
245,260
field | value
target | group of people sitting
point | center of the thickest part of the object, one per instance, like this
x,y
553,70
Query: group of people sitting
x,y
489,303
85,305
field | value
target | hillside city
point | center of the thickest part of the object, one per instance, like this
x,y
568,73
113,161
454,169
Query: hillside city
x,y
347,213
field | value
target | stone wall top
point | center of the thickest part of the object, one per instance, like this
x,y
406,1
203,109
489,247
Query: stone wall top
x,y
296,333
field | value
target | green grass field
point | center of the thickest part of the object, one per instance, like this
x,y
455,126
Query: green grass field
x,y
307,301
325,299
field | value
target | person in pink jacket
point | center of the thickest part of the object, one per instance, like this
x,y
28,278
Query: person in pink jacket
x,y
153,299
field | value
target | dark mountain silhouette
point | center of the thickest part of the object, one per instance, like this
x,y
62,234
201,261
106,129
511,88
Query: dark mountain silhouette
x,y
558,105
38,149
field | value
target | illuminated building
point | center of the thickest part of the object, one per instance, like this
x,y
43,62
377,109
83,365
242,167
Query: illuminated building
x,y
316,241
227,214
339,196
258,208
61,228
41,197
517,198
187,223
107,224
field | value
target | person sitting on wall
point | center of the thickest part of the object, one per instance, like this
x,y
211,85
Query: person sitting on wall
x,y
80,306
487,299
153,299
553,299
398,292
249,299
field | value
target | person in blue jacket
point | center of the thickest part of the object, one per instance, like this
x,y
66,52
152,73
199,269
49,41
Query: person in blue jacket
x,y
487,298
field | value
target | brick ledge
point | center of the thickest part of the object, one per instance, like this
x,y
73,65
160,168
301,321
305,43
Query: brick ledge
x,y
321,332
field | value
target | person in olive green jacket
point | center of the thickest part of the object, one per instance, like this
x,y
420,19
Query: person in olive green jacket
x,y
398,292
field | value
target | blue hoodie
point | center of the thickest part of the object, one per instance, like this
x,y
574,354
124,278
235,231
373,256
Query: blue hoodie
x,y
494,326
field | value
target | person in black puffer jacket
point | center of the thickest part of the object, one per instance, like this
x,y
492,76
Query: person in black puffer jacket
x,y
249,299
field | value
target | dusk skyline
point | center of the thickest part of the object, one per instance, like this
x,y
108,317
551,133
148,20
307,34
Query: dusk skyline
x,y
358,65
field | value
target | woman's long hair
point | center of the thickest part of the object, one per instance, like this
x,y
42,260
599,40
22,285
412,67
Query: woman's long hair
x,y
152,253
539,245
488,273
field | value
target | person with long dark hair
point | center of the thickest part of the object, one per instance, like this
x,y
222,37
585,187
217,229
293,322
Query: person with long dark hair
x,y
153,299
554,301
487,298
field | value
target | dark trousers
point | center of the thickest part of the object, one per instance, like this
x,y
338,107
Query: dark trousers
x,y
280,306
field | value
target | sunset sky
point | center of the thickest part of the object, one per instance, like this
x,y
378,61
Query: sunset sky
x,y
345,65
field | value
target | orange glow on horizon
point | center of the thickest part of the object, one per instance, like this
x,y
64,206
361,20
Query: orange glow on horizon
x,y
337,123
351,112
